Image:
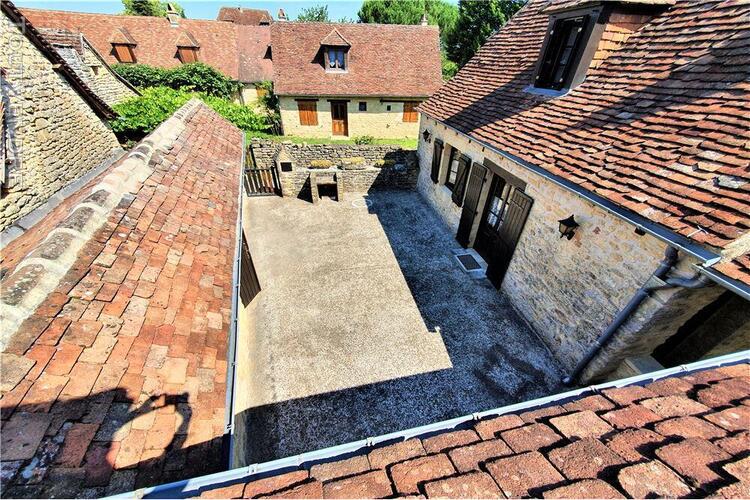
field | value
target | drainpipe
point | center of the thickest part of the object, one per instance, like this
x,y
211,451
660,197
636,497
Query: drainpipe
x,y
666,265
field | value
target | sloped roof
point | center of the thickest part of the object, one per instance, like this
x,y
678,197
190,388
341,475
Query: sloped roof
x,y
155,38
680,436
246,17
660,127
384,60
255,61
100,107
334,39
186,39
118,378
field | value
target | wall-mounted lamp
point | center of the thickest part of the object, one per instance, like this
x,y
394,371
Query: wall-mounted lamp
x,y
426,135
568,227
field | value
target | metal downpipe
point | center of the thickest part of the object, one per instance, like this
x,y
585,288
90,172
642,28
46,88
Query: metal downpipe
x,y
666,265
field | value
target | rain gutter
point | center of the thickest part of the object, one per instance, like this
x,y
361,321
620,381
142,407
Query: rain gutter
x,y
193,487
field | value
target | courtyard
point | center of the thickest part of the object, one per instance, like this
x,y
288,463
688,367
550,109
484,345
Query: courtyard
x,y
366,325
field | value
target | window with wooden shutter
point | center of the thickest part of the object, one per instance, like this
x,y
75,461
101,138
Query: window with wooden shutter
x,y
437,159
187,54
124,53
308,112
2,143
410,112
464,162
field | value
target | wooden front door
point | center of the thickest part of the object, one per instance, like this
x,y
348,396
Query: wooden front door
x,y
503,219
339,118
471,204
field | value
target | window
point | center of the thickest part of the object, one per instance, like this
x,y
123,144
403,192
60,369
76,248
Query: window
x,y
410,112
124,53
564,43
335,59
363,106
187,54
452,171
388,107
308,112
497,210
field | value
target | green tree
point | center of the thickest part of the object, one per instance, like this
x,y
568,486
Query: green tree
x,y
316,13
153,8
477,20
439,12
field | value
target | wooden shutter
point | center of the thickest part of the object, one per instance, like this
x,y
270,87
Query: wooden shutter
x,y
519,206
437,158
410,112
461,175
2,142
308,112
249,284
471,202
187,54
124,53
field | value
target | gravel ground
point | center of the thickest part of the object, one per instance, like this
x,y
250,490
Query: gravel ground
x,y
494,358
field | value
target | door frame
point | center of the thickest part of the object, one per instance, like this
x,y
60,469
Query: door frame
x,y
343,105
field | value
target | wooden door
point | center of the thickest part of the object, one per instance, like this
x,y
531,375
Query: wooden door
x,y
503,220
339,118
471,203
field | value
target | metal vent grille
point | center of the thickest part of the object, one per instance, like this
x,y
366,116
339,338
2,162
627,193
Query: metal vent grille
x,y
468,262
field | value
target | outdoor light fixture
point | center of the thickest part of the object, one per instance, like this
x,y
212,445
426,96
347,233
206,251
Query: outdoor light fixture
x,y
568,227
426,135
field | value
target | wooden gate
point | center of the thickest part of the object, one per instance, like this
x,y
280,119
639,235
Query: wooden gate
x,y
471,202
249,284
262,182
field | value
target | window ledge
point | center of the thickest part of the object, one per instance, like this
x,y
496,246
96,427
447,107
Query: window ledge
x,y
545,92
337,71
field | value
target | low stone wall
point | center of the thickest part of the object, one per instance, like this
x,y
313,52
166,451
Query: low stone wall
x,y
359,168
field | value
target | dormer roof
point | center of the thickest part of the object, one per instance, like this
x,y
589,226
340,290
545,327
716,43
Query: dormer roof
x,y
334,39
122,36
579,4
187,40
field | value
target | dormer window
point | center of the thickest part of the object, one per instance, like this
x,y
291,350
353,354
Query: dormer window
x,y
335,59
564,43
124,53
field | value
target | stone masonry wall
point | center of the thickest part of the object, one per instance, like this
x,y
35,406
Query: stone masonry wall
x,y
359,167
570,291
103,80
53,135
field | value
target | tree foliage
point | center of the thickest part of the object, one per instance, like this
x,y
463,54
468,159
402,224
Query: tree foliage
x,y
439,12
198,77
153,8
477,20
316,13
140,115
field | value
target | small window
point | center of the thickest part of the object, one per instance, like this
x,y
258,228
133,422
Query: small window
x,y
335,59
410,112
123,53
564,43
187,54
286,166
452,172
363,106
308,113
388,108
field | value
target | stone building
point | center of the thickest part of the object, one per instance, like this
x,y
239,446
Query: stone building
x,y
237,50
582,141
54,126
349,80
90,66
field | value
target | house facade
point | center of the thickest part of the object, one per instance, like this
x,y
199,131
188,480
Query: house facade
x,y
570,164
239,51
54,126
350,80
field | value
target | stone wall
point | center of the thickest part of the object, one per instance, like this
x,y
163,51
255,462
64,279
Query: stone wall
x,y
102,79
53,136
381,119
570,291
359,167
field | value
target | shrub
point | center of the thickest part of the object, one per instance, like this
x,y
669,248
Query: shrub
x,y
321,164
384,163
198,77
140,115
364,139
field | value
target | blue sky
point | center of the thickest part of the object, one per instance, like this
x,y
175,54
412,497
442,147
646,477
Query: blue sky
x,y
201,9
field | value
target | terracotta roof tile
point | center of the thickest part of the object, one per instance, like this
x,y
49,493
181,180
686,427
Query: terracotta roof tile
x,y
656,126
384,60
244,16
106,380
634,462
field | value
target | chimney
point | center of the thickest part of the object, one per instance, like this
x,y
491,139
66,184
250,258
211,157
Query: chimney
x,y
424,19
173,15
281,16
